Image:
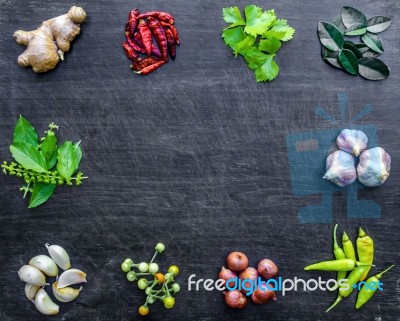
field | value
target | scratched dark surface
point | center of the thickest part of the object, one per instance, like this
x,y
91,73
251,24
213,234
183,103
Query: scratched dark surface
x,y
193,155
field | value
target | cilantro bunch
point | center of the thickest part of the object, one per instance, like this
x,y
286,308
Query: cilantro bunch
x,y
257,39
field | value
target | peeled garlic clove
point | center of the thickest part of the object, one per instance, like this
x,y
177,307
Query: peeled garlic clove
x,y
59,255
66,294
31,290
32,275
340,168
71,276
352,141
44,264
374,167
44,303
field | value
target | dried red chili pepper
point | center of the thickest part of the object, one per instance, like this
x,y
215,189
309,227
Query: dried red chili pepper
x,y
129,51
173,29
159,35
160,15
134,45
137,38
132,23
171,43
145,34
151,68
155,51
141,63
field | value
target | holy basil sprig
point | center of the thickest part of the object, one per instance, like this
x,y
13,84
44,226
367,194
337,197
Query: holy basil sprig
x,y
257,39
42,164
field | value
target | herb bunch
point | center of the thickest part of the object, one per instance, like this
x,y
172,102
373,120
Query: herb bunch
x,y
42,164
257,39
354,58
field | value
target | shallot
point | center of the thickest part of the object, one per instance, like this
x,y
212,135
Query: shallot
x,y
237,261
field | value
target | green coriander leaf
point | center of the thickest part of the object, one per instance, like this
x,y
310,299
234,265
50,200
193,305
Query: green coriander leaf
x,y
29,157
268,71
257,22
289,34
244,45
280,25
41,193
272,13
233,36
252,12
48,148
276,34
66,164
24,132
232,15
270,45
282,30
255,58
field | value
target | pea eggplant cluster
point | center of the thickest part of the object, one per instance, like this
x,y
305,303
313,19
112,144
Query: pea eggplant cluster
x,y
156,285
346,262
139,47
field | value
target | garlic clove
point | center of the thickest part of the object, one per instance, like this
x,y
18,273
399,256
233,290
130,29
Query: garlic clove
x,y
340,168
31,290
70,277
44,264
59,255
352,141
374,167
66,294
32,275
44,303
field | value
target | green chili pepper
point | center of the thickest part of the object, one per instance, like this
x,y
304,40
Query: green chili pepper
x,y
347,289
342,265
365,250
338,253
369,288
348,247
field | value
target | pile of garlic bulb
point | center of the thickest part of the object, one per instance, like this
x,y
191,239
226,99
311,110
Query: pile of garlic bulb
x,y
34,275
374,164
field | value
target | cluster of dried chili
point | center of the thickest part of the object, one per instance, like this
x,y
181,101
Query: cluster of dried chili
x,y
140,30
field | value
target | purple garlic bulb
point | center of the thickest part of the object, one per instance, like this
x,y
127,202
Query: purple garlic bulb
x,y
374,167
340,168
352,141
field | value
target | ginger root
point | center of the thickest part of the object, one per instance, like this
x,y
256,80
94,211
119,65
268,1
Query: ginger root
x,y
47,44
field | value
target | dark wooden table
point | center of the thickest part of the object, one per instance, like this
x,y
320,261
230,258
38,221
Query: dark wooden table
x,y
195,156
